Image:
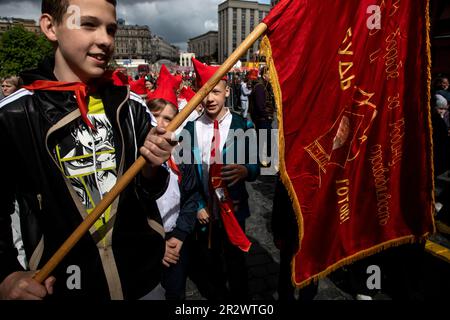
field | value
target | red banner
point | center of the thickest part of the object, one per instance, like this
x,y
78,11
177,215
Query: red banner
x,y
351,79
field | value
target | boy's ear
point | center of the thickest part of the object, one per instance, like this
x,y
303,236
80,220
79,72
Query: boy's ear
x,y
227,91
47,25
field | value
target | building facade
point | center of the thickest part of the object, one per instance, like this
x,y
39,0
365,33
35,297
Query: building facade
x,y
236,20
274,2
133,42
186,59
7,23
165,50
205,46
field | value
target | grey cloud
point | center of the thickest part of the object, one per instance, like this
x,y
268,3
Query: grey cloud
x,y
175,20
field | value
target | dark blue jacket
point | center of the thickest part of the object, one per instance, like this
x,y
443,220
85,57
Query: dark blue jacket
x,y
238,192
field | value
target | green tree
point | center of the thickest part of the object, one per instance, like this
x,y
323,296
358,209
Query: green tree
x,y
21,50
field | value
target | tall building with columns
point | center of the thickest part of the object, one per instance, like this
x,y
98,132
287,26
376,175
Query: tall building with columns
x,y
237,19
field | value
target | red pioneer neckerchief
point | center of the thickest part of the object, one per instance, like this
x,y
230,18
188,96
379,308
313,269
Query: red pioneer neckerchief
x,y
172,165
80,89
234,231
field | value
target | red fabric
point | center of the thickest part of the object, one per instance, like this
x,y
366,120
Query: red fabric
x,y
371,187
186,93
179,80
252,74
166,86
174,167
215,144
138,86
119,78
204,72
80,89
234,231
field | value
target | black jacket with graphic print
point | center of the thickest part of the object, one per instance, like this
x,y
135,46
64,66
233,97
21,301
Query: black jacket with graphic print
x,y
127,262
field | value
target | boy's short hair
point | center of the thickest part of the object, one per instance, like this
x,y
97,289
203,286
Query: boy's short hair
x,y
13,80
57,8
158,105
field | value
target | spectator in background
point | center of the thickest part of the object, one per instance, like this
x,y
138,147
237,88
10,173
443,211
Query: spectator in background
x,y
440,86
149,83
441,149
10,84
262,109
246,90
235,93
441,83
285,236
440,134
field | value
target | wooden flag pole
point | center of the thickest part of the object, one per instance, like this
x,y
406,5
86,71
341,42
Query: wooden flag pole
x,y
129,175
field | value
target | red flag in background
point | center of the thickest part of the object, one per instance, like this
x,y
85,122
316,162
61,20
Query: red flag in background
x,y
355,141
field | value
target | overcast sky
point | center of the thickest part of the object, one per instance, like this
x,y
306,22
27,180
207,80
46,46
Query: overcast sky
x,y
175,20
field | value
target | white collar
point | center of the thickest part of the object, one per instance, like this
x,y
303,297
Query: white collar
x,y
207,120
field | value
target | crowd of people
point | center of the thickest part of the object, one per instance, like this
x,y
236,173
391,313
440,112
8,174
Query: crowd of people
x,y
71,128
440,103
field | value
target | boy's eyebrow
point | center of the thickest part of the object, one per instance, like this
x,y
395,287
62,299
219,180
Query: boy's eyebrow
x,y
96,20
89,18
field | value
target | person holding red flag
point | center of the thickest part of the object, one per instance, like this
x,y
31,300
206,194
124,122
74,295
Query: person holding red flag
x,y
222,217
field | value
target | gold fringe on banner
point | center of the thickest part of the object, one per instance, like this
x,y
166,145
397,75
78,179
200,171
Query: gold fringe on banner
x,y
428,104
266,50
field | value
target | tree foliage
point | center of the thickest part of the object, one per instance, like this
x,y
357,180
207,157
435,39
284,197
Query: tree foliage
x,y
21,50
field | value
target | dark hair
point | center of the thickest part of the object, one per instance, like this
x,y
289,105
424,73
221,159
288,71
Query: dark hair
x,y
437,82
57,8
150,79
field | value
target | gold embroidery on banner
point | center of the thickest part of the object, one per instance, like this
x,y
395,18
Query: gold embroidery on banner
x,y
395,6
408,238
380,174
372,56
392,60
343,192
346,66
394,102
318,154
396,134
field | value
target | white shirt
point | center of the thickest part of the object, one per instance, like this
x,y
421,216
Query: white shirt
x,y
169,203
204,128
17,236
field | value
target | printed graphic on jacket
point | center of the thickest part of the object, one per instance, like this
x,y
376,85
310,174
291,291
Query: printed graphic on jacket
x,y
87,157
